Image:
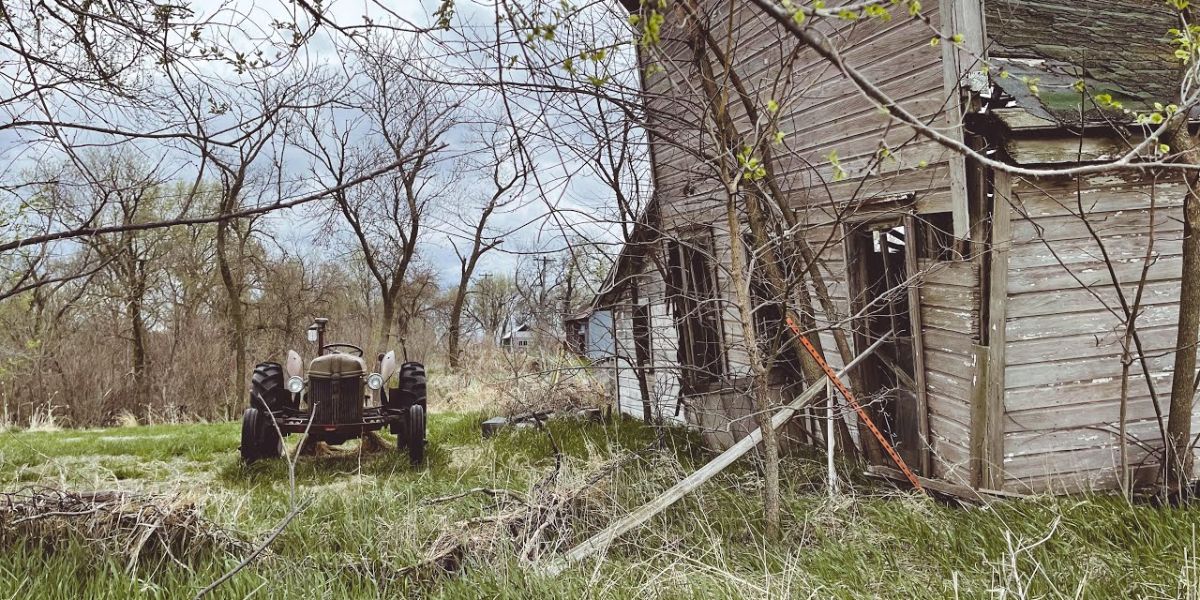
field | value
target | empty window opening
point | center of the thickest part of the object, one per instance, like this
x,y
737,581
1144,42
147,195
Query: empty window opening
x,y
691,286
877,262
642,343
934,237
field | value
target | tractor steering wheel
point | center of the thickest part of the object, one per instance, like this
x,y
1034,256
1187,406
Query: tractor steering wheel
x,y
355,350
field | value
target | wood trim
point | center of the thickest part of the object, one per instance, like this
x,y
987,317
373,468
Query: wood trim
x,y
963,17
993,472
918,342
980,471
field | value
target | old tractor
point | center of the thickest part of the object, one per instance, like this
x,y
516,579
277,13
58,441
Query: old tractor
x,y
334,400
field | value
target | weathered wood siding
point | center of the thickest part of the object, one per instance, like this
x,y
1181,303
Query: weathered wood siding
x,y
1065,326
821,113
950,316
663,383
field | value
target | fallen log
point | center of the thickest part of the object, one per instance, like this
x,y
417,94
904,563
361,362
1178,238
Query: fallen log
x,y
600,541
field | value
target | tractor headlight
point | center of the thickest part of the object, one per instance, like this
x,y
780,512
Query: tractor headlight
x,y
295,385
374,381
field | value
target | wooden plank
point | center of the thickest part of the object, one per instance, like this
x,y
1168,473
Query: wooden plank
x,y
998,266
953,409
952,74
1103,389
959,321
949,296
1066,149
948,385
1098,322
1167,220
1079,415
949,273
1083,369
1087,345
953,364
1042,279
981,469
1078,299
914,315
942,488
1125,248
1039,198
1055,441
600,541
947,342
1021,120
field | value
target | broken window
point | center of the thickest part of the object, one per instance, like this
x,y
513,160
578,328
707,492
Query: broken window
x,y
641,336
934,237
697,313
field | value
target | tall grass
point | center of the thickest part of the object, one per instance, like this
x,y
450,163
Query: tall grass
x,y
370,517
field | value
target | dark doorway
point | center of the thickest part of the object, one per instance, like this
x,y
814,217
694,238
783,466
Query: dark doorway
x,y
877,262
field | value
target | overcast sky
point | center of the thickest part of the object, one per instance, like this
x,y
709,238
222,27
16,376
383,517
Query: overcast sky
x,y
580,201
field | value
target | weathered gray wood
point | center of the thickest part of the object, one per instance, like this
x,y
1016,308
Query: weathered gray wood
x,y
949,296
600,541
1083,369
957,365
953,71
914,315
1041,279
1102,390
998,254
956,273
960,321
981,469
1097,321
1078,299
1066,149
1071,252
948,385
1020,120
1087,414
958,492
1088,345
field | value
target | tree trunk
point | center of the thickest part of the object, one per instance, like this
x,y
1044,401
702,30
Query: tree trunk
x,y
759,370
1177,462
387,326
237,320
455,332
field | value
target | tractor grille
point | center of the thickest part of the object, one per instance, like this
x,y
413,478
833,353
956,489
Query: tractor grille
x,y
336,401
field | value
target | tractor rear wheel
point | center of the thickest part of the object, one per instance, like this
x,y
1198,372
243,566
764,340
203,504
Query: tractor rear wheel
x,y
268,391
416,434
260,439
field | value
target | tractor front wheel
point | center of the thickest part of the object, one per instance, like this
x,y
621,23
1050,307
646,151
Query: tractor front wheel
x,y
416,434
260,439
268,391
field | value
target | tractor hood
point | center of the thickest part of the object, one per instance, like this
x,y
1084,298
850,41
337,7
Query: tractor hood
x,y
337,365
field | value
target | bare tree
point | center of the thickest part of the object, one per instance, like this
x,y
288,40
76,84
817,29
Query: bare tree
x,y
505,179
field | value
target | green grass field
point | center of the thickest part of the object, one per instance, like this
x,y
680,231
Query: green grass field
x,y
367,519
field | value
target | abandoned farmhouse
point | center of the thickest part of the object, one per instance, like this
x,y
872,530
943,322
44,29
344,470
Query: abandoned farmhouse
x,y
1005,299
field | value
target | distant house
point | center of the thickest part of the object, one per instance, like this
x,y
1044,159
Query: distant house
x,y
521,338
1001,291
590,334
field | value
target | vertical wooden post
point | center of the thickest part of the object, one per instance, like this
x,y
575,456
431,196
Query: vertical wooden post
x,y
831,408
918,343
964,18
996,330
